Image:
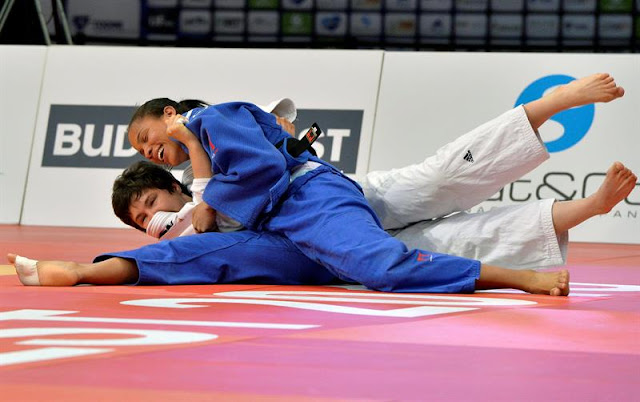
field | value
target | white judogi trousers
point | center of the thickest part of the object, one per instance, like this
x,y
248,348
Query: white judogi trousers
x,y
414,202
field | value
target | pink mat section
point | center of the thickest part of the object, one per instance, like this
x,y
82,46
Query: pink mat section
x,y
245,342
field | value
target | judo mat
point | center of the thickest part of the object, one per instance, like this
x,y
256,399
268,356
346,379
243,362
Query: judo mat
x,y
296,343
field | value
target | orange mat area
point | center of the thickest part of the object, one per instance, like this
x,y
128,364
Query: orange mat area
x,y
247,342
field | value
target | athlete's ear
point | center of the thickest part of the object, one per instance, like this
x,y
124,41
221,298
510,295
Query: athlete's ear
x,y
169,111
176,187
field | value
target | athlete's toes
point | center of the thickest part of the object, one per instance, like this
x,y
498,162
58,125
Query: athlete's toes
x,y
615,169
618,166
11,258
626,174
631,180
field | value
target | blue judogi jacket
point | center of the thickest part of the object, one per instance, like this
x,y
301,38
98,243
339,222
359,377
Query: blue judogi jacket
x,y
250,174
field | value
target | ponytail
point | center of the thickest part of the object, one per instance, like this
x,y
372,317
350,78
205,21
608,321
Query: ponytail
x,y
155,107
185,105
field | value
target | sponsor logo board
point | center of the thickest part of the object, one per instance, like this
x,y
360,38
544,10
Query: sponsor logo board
x,y
506,25
543,5
507,5
331,24
579,5
615,26
263,22
435,25
332,4
197,3
95,18
366,24
80,136
162,3
578,26
471,25
366,4
542,26
161,22
229,22
400,24
297,4
472,5
195,22
88,137
436,5
401,5
297,23
230,3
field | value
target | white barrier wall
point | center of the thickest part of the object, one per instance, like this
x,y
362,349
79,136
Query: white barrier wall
x,y
428,99
424,101
21,69
88,92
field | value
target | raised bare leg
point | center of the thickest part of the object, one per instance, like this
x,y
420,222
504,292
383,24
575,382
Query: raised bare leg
x,y
549,283
114,271
586,90
617,185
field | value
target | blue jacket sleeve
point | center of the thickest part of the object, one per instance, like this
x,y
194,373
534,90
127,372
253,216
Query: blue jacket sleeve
x,y
249,173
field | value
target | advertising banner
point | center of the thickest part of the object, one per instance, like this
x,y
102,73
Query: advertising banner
x,y
21,69
426,100
89,94
104,19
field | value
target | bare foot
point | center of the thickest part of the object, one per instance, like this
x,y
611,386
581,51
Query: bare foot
x,y
591,89
44,273
617,185
549,283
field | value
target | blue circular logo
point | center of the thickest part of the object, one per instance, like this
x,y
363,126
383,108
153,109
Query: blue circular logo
x,y
576,121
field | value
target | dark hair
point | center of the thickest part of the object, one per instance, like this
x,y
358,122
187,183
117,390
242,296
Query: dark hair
x,y
155,107
135,179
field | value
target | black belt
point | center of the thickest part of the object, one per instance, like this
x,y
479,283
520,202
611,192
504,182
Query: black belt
x,y
295,147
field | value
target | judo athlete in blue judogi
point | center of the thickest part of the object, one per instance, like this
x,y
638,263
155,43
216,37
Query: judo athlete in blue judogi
x,y
306,200
322,212
315,206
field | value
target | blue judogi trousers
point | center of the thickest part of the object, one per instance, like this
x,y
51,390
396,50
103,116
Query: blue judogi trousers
x,y
219,258
326,216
